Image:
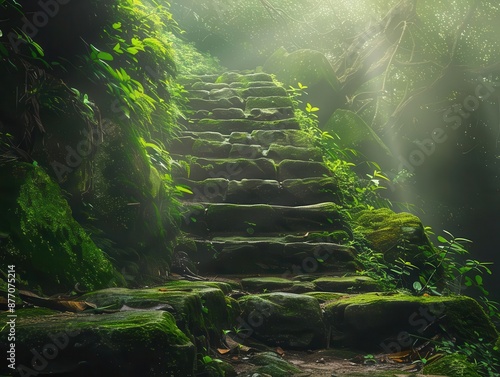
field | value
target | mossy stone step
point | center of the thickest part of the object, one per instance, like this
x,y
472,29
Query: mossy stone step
x,y
207,104
350,284
207,86
230,77
206,135
271,114
297,138
251,84
226,126
268,102
383,321
253,191
184,299
271,256
231,113
310,190
285,320
125,343
263,91
262,218
223,149
295,169
198,169
200,94
283,152
234,169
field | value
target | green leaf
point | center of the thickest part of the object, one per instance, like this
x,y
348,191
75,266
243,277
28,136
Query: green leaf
x,y
132,50
117,25
442,239
417,286
105,56
183,189
479,279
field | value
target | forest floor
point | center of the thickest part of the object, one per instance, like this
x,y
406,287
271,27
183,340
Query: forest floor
x,y
326,363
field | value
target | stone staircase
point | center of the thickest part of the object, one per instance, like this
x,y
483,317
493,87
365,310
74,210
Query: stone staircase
x,y
263,202
279,293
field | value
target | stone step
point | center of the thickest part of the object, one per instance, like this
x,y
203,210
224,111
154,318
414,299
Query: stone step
x,y
308,282
230,77
206,104
292,192
227,256
258,219
218,91
251,84
226,126
188,145
268,102
296,138
198,169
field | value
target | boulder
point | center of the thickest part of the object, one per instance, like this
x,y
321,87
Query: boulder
x,y
278,319
127,343
41,237
384,321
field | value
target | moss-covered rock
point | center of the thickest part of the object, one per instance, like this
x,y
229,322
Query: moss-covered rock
x,y
236,169
264,91
384,320
207,148
311,190
292,169
272,365
250,191
126,343
348,284
283,152
43,240
455,365
297,138
396,235
267,102
323,297
200,309
278,319
265,284
230,77
226,126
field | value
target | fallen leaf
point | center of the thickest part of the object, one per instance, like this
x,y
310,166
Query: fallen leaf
x,y
223,351
280,351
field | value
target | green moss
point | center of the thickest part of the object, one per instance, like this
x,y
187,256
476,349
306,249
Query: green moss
x,y
265,284
229,77
267,102
323,297
347,284
227,126
455,365
199,307
113,343
273,365
460,315
394,234
48,247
